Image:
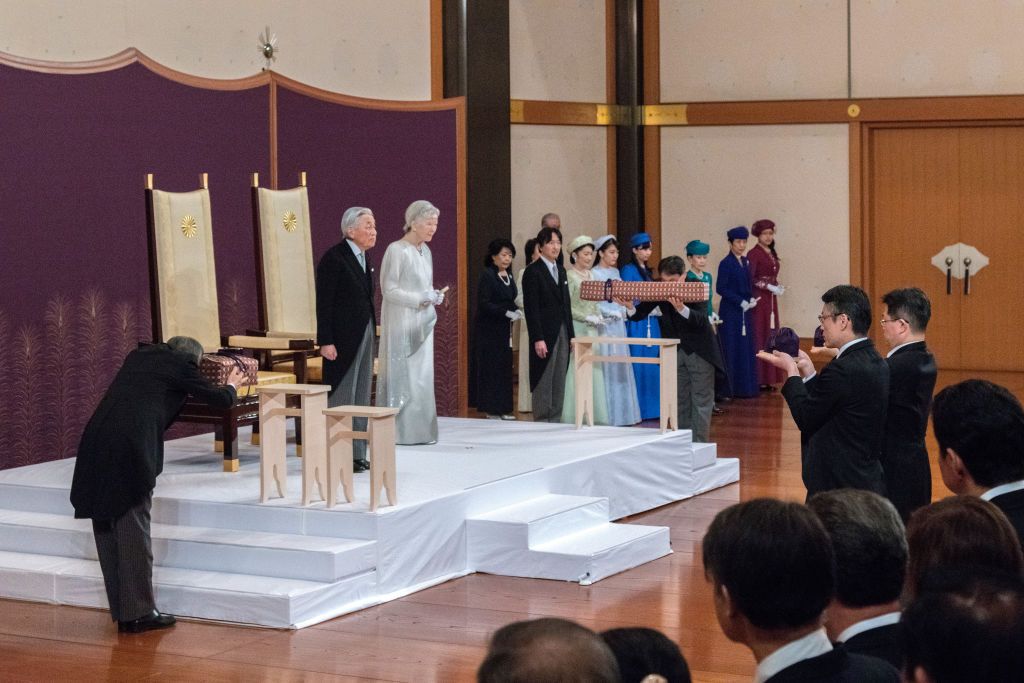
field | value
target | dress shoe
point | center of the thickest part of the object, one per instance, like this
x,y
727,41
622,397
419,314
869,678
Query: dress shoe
x,y
494,417
508,417
150,622
360,465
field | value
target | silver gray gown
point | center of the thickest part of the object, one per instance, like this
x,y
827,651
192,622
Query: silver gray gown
x,y
405,377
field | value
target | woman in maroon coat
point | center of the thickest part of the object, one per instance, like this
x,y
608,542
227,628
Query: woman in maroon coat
x,y
764,275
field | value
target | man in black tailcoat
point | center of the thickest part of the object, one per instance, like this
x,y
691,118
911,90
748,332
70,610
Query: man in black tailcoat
x,y
346,321
841,412
912,374
119,458
549,323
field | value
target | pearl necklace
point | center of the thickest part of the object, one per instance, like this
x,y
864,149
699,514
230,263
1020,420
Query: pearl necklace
x,y
506,278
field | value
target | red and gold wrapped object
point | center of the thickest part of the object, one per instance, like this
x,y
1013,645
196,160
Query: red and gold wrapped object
x,y
217,366
606,290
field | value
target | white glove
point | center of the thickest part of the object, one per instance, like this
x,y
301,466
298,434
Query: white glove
x,y
656,313
752,302
745,305
514,315
594,320
715,320
427,297
438,297
777,290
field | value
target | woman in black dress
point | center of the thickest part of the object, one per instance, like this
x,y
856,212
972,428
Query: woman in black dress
x,y
496,311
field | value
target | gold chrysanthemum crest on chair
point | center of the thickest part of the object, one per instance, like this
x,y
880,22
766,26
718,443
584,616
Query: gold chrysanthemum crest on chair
x,y
183,289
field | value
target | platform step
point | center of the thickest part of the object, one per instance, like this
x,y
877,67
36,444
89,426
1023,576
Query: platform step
x,y
585,557
288,556
273,601
704,455
539,520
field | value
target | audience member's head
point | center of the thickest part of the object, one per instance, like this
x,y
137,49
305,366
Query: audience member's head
x,y
551,220
966,627
547,651
870,546
960,532
910,306
531,250
849,302
980,429
772,568
188,347
644,651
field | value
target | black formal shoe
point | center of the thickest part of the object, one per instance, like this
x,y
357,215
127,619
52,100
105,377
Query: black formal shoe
x,y
150,622
360,465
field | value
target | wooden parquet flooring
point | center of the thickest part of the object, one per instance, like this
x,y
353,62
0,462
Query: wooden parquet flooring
x,y
440,634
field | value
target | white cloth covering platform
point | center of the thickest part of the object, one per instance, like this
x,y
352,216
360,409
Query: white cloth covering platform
x,y
513,498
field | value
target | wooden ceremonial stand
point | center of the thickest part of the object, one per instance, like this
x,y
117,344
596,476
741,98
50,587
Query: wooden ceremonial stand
x,y
584,358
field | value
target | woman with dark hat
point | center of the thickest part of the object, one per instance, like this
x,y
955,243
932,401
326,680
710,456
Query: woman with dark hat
x,y
734,286
648,383
764,275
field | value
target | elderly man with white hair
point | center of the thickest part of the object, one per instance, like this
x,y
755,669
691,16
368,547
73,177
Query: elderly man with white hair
x,y
345,318
406,373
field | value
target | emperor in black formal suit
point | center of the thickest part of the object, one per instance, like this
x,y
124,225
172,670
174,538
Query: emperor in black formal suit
x,y
119,458
841,412
549,323
912,374
346,320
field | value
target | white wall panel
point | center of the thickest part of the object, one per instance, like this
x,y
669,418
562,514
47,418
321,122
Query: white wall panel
x,y
937,47
557,50
715,178
714,50
563,169
377,49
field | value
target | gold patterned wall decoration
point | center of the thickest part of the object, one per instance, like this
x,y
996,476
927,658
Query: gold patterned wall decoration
x,y
291,221
188,226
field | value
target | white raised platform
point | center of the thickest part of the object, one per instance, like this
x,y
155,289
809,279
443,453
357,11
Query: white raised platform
x,y
512,498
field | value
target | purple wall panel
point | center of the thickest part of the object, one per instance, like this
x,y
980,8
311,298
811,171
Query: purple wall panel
x,y
75,149
384,160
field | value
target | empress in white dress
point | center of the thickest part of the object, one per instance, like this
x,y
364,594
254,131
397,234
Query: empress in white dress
x,y
619,382
405,376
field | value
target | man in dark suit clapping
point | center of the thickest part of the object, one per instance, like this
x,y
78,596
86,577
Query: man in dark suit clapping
x,y
346,320
912,373
549,323
841,412
119,458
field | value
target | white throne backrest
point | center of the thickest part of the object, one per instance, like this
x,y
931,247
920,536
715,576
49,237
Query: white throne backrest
x,y
287,249
186,278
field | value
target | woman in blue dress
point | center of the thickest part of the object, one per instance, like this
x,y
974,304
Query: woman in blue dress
x,y
737,332
619,383
648,383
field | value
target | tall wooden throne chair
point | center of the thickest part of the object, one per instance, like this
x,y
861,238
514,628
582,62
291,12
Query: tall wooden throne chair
x,y
183,290
287,276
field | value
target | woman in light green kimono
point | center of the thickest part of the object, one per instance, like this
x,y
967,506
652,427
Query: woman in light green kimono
x,y
587,322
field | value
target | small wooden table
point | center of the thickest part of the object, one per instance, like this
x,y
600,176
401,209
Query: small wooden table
x,y
380,445
273,414
584,358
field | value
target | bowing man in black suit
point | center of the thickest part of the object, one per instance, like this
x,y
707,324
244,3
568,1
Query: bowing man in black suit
x,y
346,320
771,567
912,373
699,355
549,323
841,413
980,429
119,458
870,544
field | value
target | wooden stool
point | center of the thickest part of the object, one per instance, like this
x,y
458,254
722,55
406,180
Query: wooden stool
x,y
273,414
583,365
380,437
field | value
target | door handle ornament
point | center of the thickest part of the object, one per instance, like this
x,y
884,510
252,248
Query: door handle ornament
x,y
959,261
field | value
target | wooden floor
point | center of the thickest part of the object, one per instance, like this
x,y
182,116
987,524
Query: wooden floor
x,y
440,634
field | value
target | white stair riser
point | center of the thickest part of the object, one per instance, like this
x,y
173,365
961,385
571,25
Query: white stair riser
x,y
36,499
307,565
704,455
271,518
542,530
